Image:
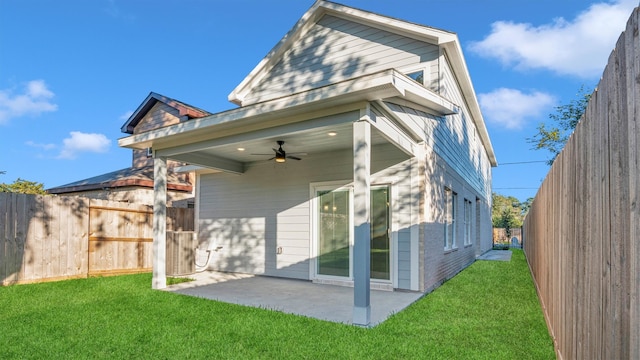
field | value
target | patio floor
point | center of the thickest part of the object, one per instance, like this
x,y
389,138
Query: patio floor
x,y
324,302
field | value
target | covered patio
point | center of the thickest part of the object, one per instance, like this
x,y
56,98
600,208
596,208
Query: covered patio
x,y
300,297
345,116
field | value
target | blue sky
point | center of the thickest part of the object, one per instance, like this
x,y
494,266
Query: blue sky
x,y
72,71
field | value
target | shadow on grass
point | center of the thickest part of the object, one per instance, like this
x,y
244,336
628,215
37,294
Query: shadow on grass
x,y
490,310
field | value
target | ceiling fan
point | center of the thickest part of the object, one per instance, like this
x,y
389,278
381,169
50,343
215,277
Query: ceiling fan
x,y
281,155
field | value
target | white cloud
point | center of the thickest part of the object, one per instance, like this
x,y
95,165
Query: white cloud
x,y
83,142
115,11
579,47
33,100
41,146
512,108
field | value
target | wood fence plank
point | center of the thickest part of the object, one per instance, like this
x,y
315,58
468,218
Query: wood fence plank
x,y
582,232
59,246
10,246
4,228
632,45
45,238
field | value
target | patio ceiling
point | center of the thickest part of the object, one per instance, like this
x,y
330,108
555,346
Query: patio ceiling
x,y
311,142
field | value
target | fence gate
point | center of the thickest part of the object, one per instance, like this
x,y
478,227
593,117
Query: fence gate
x,y
120,238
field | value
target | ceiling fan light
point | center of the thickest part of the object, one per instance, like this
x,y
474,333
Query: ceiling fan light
x,y
280,158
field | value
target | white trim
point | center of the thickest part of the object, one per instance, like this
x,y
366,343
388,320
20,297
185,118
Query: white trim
x,y
196,205
381,284
335,98
313,248
423,66
417,183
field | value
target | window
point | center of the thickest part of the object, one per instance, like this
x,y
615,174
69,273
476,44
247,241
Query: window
x,y
450,199
417,76
467,222
149,152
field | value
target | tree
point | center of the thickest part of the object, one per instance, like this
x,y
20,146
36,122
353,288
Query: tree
x,y
553,137
506,212
24,187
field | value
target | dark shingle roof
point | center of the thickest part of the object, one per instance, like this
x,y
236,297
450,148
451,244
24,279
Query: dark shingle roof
x,y
142,177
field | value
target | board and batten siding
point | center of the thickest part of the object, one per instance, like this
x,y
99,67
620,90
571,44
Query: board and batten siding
x,y
268,207
336,49
160,115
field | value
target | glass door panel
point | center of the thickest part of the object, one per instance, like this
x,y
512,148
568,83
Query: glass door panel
x,y
333,237
380,225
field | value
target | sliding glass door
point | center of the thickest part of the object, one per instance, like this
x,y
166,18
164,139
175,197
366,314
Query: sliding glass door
x,y
334,237
334,233
380,226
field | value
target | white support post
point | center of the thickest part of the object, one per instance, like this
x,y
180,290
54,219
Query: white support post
x,y
159,280
417,216
361,219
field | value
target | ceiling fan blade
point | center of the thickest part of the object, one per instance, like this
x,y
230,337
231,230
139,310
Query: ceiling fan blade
x,y
293,157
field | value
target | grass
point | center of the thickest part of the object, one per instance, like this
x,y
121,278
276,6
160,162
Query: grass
x,y
489,311
177,280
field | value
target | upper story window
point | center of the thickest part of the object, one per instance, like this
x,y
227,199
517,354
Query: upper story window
x,y
417,76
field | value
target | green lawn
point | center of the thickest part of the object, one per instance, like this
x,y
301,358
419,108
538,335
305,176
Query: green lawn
x,y
489,311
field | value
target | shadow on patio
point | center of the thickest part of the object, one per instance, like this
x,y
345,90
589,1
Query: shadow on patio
x,y
301,297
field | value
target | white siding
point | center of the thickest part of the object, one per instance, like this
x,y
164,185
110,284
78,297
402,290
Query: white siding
x,y
454,139
476,167
336,49
267,207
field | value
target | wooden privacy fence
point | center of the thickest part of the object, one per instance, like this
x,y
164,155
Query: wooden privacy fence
x,y
47,238
582,232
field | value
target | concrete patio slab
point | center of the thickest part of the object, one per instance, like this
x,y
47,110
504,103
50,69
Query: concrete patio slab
x,y
300,297
498,255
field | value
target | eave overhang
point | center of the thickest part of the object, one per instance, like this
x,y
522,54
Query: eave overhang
x,y
377,86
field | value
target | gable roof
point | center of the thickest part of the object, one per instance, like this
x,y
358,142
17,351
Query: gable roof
x,y
448,41
313,15
190,112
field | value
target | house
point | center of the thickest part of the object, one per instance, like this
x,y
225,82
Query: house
x,y
135,184
358,156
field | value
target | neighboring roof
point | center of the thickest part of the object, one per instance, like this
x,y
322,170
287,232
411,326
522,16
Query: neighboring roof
x,y
191,112
447,40
141,177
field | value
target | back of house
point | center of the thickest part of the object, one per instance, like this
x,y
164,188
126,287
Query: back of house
x,y
355,127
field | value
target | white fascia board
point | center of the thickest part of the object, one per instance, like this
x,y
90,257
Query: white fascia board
x,y
459,65
381,85
401,27
368,87
395,135
412,129
212,162
194,168
417,93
